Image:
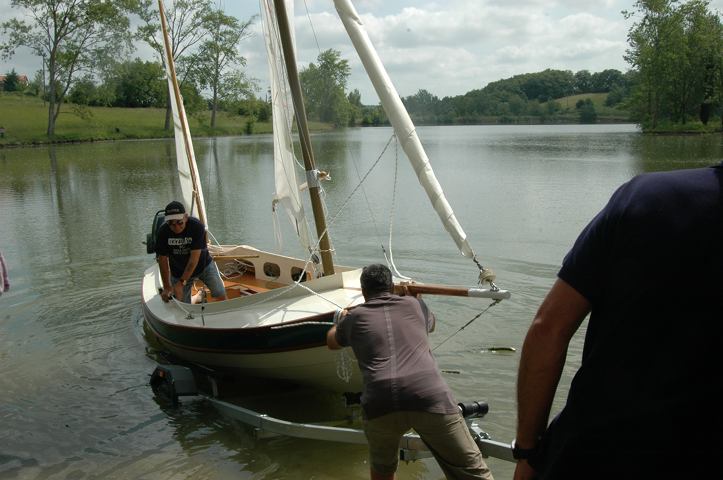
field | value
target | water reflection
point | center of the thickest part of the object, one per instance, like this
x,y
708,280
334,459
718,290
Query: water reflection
x,y
74,395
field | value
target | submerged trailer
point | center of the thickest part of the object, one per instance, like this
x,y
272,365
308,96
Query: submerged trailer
x,y
169,382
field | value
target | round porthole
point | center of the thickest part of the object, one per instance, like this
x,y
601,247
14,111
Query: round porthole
x,y
272,270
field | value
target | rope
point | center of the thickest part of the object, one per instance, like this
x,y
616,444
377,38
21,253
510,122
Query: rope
x,y
311,24
468,323
234,269
301,324
344,366
390,260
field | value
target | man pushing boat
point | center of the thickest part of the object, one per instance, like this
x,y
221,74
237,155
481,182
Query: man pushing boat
x,y
403,387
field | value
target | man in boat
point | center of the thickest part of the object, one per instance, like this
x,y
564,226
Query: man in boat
x,y
403,387
183,256
646,400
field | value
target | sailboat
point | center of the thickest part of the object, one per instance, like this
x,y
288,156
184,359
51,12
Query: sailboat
x,y
278,309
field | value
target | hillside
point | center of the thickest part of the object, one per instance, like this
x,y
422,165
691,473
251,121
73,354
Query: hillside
x,y
605,114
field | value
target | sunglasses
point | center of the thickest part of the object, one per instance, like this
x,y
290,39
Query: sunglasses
x,y
175,222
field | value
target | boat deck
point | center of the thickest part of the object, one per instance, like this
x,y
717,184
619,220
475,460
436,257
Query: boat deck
x,y
238,286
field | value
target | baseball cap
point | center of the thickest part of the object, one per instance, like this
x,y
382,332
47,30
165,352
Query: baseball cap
x,y
175,211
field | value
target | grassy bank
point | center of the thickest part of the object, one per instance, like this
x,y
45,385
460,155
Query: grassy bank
x,y
25,120
605,114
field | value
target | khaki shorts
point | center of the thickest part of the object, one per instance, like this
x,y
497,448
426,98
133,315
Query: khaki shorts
x,y
447,437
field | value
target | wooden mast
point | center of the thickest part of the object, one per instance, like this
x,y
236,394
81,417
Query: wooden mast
x,y
181,114
311,176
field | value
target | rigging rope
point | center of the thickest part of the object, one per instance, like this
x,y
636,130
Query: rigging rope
x,y
495,302
390,260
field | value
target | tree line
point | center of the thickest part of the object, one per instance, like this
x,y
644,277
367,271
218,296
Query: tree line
x,y
526,95
675,54
84,47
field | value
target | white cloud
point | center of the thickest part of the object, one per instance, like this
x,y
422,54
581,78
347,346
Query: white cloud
x,y
447,46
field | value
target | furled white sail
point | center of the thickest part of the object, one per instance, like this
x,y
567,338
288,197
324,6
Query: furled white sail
x,y
403,126
287,187
185,157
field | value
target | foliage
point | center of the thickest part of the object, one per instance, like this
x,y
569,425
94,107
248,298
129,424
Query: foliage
x,y
139,84
681,43
12,82
586,110
186,20
324,85
71,37
218,55
356,112
526,97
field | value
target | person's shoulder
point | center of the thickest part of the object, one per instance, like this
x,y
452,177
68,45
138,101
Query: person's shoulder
x,y
164,229
196,224
654,181
649,189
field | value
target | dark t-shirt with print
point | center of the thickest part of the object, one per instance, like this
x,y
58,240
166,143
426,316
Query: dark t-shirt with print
x,y
178,247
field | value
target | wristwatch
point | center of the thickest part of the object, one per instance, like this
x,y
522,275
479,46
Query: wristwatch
x,y
182,282
521,453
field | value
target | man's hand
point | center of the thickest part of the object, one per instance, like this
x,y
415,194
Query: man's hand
x,y
166,294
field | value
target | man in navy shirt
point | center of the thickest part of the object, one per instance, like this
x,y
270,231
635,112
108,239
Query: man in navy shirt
x,y
647,400
183,256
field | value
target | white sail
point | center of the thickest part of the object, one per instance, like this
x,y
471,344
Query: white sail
x,y
185,157
403,126
287,190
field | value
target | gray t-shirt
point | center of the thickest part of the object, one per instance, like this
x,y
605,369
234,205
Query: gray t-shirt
x,y
389,337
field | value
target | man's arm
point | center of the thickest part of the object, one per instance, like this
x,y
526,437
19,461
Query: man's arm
x,y
187,272
331,339
165,269
541,363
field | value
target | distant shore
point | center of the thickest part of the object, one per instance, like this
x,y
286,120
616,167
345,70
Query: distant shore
x,y
24,123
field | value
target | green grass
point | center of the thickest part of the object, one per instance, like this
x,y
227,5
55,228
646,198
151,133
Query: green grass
x,y
604,113
25,119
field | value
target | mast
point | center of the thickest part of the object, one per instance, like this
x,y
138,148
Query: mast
x,y
312,178
196,195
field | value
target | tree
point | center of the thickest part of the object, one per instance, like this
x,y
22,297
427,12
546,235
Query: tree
x,y
83,91
605,81
583,81
12,82
324,86
355,107
72,37
186,28
586,111
676,51
140,84
219,54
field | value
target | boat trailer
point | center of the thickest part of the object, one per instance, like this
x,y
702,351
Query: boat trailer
x,y
169,382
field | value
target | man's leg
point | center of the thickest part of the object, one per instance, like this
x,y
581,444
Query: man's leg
x,y
383,435
211,277
449,439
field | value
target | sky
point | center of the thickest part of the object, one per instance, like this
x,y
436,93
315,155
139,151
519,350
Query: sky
x,y
447,47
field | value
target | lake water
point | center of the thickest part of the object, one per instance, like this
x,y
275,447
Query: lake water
x,y
74,365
